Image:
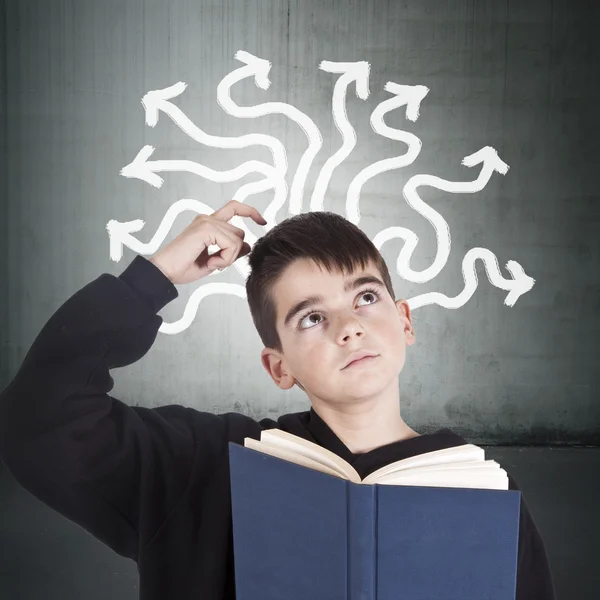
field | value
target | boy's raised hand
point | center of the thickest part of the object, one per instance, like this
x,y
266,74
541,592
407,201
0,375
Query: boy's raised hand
x,y
185,259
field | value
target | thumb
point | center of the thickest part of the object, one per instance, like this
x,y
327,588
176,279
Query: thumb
x,y
216,261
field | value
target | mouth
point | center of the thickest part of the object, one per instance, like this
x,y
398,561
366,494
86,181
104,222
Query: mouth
x,y
363,361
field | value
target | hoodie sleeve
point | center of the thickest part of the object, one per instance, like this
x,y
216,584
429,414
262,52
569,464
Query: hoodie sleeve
x,y
114,469
534,578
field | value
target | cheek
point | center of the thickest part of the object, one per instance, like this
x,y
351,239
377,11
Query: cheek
x,y
313,357
307,352
316,352
392,331
389,321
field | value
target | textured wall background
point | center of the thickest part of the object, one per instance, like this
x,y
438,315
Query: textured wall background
x,y
520,77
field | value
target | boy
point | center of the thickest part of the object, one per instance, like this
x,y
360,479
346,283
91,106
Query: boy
x,y
153,484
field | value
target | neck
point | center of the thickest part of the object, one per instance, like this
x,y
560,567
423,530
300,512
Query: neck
x,y
365,424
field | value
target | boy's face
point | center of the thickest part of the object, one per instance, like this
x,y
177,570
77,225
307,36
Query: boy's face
x,y
318,340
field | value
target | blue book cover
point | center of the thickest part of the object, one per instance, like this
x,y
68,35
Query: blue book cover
x,y
300,534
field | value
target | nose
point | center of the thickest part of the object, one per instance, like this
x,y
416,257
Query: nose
x,y
349,326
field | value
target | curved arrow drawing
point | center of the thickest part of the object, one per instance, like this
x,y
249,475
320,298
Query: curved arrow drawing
x,y
142,168
156,101
120,233
191,307
352,72
404,95
491,162
518,285
259,69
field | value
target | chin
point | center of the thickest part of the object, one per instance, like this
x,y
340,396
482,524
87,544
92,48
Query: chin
x,y
362,386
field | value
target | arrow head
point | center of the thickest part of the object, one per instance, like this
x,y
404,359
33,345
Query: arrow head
x,y
138,168
489,157
409,95
358,72
155,100
522,283
119,234
259,66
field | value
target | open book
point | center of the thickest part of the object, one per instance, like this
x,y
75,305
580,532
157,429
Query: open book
x,y
458,467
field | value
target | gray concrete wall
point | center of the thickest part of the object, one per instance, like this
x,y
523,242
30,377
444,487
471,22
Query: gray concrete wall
x,y
521,77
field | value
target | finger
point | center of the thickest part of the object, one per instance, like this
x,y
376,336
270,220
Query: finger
x,y
233,229
244,250
233,208
228,244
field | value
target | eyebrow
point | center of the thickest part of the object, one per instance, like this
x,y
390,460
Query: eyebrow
x,y
318,299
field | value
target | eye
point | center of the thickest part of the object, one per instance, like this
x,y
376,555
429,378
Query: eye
x,y
311,313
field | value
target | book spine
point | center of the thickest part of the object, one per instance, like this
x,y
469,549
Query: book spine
x,y
361,541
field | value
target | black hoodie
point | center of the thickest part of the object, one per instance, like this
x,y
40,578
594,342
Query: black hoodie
x,y
153,483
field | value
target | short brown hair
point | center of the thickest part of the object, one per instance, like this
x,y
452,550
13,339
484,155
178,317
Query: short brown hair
x,y
327,238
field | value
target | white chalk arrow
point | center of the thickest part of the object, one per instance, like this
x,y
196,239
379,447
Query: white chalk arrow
x,y
191,307
490,161
157,101
353,72
409,96
142,168
259,68
518,285
121,233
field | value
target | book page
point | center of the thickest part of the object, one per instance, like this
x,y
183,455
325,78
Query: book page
x,y
465,452
293,443
493,479
290,456
467,466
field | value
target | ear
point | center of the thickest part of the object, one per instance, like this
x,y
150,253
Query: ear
x,y
404,312
274,365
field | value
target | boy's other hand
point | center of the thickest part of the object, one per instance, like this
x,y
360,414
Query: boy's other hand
x,y
185,259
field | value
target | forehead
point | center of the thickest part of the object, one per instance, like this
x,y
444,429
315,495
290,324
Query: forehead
x,y
308,271
304,278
